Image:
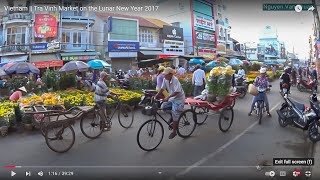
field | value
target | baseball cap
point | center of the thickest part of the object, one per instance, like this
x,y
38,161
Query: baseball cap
x,y
263,70
168,70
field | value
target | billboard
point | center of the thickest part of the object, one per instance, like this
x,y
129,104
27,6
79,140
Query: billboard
x,y
204,22
46,25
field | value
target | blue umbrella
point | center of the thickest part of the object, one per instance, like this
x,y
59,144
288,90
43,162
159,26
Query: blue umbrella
x,y
196,61
22,68
98,64
235,62
212,64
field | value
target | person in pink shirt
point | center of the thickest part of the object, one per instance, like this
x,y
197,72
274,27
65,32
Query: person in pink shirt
x,y
18,94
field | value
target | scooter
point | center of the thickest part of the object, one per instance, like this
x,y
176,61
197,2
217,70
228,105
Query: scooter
x,y
146,99
305,86
241,87
298,115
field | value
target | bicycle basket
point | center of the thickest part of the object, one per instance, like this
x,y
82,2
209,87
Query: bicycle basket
x,y
149,110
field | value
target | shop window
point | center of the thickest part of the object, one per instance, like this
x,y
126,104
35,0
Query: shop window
x,y
16,36
65,37
78,13
146,36
76,39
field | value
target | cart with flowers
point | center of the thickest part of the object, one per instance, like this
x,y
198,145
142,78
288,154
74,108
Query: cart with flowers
x,y
220,100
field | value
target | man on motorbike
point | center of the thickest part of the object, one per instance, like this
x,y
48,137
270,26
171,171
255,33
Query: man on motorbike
x,y
285,79
240,75
262,83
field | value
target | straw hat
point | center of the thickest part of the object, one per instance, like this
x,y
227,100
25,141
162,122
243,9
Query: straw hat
x,y
23,89
168,70
161,68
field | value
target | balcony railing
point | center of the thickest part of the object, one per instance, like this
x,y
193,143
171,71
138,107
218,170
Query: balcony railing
x,y
14,48
70,46
16,16
78,16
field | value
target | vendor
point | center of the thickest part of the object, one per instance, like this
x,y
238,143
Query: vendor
x,y
18,94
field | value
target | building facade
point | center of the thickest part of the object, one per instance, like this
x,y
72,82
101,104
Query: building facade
x,y
129,39
46,36
223,28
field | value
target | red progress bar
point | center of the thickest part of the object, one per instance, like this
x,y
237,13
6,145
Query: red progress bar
x,y
12,167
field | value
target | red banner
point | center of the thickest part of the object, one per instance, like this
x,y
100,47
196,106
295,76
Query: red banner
x,y
45,26
44,64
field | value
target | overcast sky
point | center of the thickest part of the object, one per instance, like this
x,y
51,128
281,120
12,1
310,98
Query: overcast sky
x,y
247,21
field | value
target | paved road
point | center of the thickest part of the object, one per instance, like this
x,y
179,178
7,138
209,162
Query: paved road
x,y
209,153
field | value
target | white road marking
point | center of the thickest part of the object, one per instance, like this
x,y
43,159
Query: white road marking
x,y
206,158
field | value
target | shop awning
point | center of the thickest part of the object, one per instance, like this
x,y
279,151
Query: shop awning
x,y
148,53
7,59
44,57
78,56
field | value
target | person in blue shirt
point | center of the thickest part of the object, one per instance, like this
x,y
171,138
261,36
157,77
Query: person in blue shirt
x,y
204,67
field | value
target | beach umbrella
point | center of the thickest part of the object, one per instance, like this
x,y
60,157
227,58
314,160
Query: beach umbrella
x,y
212,64
74,66
246,62
196,61
2,72
22,68
235,62
98,64
6,66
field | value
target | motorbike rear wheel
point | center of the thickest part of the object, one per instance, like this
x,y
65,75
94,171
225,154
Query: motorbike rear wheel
x,y
300,87
243,92
314,132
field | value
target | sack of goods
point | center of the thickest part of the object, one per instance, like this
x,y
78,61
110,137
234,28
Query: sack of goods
x,y
252,89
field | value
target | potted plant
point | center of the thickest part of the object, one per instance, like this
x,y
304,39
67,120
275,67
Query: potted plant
x,y
27,122
219,83
4,125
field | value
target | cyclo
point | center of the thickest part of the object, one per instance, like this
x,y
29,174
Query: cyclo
x,y
56,124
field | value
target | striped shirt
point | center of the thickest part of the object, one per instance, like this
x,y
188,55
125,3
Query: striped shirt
x,y
101,92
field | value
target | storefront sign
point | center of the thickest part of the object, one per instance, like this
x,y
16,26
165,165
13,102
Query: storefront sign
x,y
203,22
45,26
222,48
45,46
121,46
77,58
172,33
207,53
173,47
45,64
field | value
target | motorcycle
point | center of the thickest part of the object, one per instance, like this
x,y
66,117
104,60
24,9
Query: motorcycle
x,y
305,86
298,115
146,99
260,107
242,87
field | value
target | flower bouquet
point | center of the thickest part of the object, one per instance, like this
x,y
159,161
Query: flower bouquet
x,y
219,82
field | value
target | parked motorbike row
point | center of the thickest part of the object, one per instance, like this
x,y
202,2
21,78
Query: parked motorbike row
x,y
300,116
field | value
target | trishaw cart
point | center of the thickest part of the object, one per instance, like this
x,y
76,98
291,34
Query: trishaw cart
x,y
224,109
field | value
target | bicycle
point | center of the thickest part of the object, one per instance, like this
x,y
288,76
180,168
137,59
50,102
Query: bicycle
x,y
149,128
93,123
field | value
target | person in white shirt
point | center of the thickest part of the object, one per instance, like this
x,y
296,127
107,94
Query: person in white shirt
x,y
240,75
181,71
198,80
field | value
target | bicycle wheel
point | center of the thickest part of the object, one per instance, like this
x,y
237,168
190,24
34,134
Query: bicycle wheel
x,y
187,123
44,122
91,125
150,135
201,113
125,116
64,137
226,119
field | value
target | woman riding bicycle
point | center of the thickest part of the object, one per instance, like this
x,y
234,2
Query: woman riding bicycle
x,y
262,83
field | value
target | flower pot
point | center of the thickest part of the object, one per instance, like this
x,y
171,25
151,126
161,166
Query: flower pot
x,y
4,130
211,98
28,127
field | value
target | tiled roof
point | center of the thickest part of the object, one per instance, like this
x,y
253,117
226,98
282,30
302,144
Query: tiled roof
x,y
145,22
158,22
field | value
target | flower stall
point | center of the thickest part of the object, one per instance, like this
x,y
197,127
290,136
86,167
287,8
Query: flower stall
x,y
7,116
